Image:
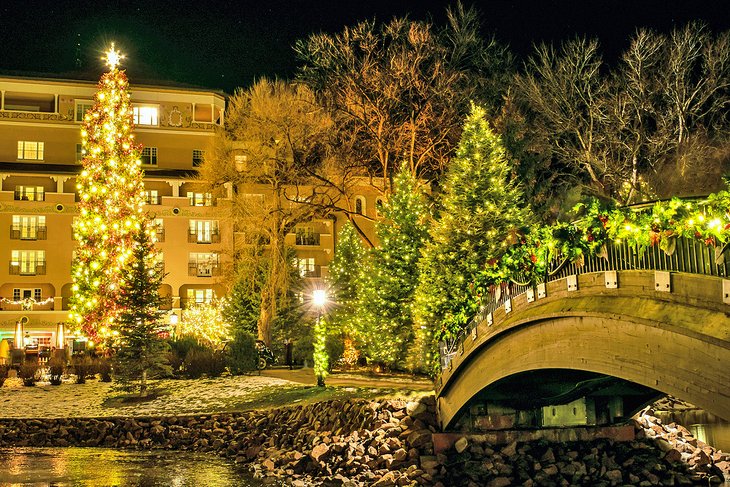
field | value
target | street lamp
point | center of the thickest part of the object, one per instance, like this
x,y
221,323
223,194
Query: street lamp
x,y
321,360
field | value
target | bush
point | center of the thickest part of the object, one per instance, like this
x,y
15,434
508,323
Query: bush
x,y
29,373
83,367
56,367
199,362
241,354
103,367
179,350
3,373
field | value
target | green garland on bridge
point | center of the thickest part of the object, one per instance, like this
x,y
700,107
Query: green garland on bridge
x,y
530,251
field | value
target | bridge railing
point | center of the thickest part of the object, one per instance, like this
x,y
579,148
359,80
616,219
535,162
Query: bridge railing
x,y
689,256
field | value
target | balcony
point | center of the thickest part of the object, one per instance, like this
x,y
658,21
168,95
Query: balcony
x,y
200,269
21,195
38,232
310,239
28,304
27,269
213,236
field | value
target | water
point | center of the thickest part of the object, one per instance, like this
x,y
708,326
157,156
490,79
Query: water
x,y
102,467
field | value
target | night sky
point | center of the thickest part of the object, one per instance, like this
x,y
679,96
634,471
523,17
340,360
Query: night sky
x,y
227,44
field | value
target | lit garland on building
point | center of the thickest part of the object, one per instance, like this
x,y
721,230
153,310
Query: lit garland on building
x,y
111,206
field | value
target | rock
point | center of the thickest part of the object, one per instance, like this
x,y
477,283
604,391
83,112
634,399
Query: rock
x,y
461,444
319,452
510,449
614,476
499,482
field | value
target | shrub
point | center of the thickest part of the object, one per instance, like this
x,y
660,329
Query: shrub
x,y
179,349
103,367
199,362
56,367
29,373
83,367
3,373
241,354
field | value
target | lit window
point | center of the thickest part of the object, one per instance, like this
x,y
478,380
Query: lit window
x,y
198,157
200,295
80,153
204,231
145,115
360,205
306,267
148,156
30,151
28,227
151,197
379,203
30,193
200,199
160,229
81,108
203,264
28,262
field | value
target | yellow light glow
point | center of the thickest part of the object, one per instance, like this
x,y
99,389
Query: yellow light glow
x,y
113,57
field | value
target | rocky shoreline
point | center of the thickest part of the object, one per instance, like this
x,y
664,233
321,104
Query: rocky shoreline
x,y
387,443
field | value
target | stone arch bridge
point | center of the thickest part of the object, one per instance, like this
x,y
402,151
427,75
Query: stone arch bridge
x,y
653,320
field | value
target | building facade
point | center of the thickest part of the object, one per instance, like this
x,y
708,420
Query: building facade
x,y
40,157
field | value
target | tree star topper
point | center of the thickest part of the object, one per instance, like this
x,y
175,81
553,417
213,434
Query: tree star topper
x,y
113,57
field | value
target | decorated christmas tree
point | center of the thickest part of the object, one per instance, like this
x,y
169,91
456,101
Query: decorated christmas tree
x,y
480,205
389,278
111,204
142,353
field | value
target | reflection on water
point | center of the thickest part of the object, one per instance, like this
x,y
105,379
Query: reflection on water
x,y
61,467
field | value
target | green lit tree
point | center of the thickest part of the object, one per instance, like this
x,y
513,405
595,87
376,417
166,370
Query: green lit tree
x,y
479,207
344,271
142,353
389,278
110,204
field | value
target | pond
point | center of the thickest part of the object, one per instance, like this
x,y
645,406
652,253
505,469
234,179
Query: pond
x,y
61,467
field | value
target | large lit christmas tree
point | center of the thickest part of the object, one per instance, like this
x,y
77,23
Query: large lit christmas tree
x,y
480,205
111,204
386,288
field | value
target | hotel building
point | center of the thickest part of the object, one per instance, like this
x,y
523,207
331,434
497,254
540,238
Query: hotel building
x,y
40,157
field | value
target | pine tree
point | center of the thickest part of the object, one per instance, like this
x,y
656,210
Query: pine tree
x,y
111,204
142,353
479,206
343,275
389,278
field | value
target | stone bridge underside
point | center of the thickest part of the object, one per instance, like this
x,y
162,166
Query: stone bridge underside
x,y
677,343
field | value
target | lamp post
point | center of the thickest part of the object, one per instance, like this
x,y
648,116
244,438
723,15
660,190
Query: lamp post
x,y
321,360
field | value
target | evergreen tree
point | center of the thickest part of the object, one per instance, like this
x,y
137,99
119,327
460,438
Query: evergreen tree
x,y
110,207
242,306
142,354
479,207
344,271
389,278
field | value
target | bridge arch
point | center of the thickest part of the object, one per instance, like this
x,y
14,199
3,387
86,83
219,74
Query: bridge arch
x,y
675,342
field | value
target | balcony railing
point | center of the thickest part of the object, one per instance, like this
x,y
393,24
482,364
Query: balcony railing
x,y
213,236
187,303
201,269
39,269
19,195
29,304
307,239
152,199
38,232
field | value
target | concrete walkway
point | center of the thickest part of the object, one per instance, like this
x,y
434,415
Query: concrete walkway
x,y
351,379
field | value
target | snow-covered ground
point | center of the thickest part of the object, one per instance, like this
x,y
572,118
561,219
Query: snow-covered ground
x,y
179,397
